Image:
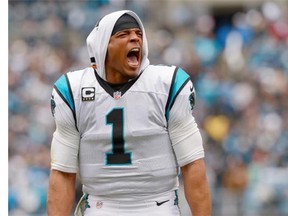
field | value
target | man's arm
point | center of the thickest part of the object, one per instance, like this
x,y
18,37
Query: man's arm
x,y
196,188
61,193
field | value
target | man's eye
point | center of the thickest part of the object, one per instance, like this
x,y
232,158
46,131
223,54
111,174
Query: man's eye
x,y
122,35
119,34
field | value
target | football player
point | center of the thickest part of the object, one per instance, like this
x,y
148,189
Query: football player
x,y
127,128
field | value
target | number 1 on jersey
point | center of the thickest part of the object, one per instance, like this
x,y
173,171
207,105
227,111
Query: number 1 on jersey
x,y
118,155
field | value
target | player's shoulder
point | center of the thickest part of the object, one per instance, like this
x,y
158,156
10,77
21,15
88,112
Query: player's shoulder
x,y
74,78
163,78
159,73
161,68
166,72
77,74
70,83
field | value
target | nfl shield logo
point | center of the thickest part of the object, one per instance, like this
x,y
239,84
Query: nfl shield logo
x,y
117,95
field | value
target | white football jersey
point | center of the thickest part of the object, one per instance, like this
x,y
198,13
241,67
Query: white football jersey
x,y
126,144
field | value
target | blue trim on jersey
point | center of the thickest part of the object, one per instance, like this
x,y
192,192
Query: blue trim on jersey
x,y
176,200
179,81
63,87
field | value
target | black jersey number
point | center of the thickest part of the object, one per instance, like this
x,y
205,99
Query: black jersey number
x,y
118,155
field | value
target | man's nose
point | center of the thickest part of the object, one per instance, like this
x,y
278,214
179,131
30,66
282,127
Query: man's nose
x,y
134,36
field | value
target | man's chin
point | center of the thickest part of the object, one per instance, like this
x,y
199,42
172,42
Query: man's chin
x,y
131,74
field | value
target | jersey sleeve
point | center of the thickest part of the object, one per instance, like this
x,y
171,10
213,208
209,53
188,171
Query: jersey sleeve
x,y
183,129
66,138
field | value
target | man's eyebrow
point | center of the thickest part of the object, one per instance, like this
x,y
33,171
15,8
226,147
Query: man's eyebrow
x,y
128,30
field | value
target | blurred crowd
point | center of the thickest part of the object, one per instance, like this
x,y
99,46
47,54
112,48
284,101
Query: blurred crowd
x,y
237,58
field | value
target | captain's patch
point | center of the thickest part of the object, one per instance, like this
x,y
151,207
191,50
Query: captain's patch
x,y
88,93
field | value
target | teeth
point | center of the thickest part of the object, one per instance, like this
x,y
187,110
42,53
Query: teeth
x,y
135,49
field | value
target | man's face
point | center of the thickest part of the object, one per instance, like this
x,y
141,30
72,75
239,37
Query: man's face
x,y
124,55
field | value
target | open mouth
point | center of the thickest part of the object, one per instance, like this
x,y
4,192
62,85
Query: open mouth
x,y
133,57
